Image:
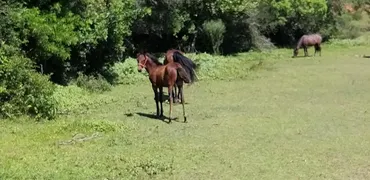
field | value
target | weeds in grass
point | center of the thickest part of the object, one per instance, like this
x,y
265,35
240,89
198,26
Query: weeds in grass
x,y
73,99
93,84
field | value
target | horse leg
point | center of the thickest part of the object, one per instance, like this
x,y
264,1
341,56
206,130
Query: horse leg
x,y
182,101
319,49
305,51
316,49
161,99
176,99
170,88
179,94
156,98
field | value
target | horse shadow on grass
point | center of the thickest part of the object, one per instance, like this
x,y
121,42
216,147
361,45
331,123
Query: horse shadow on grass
x,y
164,99
154,117
302,56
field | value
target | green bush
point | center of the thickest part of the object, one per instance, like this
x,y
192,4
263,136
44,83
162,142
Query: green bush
x,y
364,39
93,84
215,30
352,26
24,91
127,72
225,67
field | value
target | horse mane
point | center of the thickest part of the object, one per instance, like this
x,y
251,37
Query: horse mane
x,y
188,64
176,50
153,58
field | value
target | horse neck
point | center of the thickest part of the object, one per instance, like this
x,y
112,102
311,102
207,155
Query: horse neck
x,y
150,66
299,43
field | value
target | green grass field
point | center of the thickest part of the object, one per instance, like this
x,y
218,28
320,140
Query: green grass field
x,y
302,118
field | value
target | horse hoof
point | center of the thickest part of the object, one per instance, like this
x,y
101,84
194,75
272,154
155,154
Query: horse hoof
x,y
185,120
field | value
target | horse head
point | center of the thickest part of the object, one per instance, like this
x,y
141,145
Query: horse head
x,y
295,52
142,59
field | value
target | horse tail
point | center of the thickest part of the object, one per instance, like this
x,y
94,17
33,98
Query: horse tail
x,y
183,74
186,63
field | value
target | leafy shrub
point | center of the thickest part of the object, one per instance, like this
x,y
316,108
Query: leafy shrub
x,y
22,90
93,84
127,72
259,41
215,30
224,67
352,26
364,39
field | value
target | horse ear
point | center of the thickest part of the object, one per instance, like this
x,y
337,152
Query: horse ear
x,y
140,51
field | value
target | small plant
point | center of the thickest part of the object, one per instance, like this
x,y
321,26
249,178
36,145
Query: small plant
x,y
75,100
93,84
215,30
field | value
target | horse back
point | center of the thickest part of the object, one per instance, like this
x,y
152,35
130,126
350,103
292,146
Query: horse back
x,y
311,39
169,55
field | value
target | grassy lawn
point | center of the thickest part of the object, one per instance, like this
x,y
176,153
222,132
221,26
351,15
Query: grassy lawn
x,y
301,118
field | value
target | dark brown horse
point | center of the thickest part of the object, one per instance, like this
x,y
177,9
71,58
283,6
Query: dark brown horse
x,y
174,55
306,41
161,76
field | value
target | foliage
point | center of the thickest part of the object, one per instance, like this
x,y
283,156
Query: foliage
x,y
236,6
22,90
350,26
127,73
93,84
210,67
363,40
215,30
290,18
47,34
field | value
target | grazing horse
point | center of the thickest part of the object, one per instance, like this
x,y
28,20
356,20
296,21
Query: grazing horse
x,y
174,55
164,76
306,41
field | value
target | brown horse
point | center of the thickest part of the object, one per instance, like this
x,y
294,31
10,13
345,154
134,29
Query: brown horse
x,y
164,76
174,55
306,41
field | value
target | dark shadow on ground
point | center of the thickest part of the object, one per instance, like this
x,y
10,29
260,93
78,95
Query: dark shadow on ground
x,y
154,117
301,56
